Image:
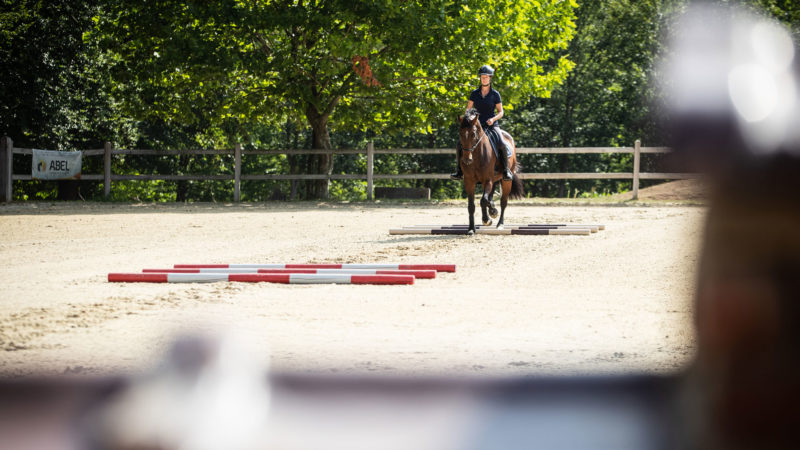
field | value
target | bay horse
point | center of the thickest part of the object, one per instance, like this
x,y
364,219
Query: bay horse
x,y
479,164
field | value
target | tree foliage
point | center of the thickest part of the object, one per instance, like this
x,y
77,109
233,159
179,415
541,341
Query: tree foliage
x,y
328,74
55,91
378,65
607,100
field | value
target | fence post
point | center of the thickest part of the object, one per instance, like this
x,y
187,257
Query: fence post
x,y
6,169
637,151
370,169
237,172
107,169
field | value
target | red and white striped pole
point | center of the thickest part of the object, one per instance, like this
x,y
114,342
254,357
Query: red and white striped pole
x,y
285,278
436,267
417,273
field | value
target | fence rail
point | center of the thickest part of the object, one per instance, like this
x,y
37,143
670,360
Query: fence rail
x,y
7,177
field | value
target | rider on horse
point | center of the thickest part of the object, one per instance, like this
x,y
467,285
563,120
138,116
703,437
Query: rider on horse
x,y
486,100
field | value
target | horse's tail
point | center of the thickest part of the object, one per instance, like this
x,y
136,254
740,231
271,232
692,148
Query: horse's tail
x,y
517,189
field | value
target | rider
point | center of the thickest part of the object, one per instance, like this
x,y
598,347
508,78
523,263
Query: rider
x,y
486,100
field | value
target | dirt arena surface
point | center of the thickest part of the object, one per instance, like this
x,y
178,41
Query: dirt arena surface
x,y
617,301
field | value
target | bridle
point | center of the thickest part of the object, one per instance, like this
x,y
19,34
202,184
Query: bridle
x,y
474,146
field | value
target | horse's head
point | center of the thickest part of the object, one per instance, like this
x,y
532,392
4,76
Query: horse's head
x,y
470,134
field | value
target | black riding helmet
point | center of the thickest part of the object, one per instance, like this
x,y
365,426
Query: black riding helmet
x,y
486,70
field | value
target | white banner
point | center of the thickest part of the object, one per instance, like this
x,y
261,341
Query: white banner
x,y
55,165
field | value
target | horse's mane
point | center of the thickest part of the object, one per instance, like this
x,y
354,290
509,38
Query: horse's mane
x,y
469,116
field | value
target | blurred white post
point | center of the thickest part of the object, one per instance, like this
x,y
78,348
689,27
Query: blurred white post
x,y
237,172
107,169
370,163
637,151
6,169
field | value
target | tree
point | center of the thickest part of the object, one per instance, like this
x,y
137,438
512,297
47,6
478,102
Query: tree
x,y
608,99
379,65
55,92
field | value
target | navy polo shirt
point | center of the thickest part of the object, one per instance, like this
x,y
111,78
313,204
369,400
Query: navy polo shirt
x,y
485,105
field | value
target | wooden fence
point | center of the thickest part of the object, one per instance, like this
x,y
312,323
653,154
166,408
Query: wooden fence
x,y
7,177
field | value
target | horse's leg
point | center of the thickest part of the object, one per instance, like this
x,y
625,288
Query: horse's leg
x,y
469,187
492,209
506,187
488,188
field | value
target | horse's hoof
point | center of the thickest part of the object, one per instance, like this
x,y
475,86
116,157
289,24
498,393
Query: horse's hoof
x,y
493,213
487,222
500,226
470,232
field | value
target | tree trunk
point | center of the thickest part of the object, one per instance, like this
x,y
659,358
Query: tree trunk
x,y
321,140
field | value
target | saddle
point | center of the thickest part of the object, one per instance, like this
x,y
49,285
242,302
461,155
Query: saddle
x,y
496,137
499,134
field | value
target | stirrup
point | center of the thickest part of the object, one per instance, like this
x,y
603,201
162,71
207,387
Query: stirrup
x,y
507,175
457,176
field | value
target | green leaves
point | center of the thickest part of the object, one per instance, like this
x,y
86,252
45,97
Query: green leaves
x,y
368,64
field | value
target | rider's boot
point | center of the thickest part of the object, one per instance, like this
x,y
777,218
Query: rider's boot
x,y
459,175
505,162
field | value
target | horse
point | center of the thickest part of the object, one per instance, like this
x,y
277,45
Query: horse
x,y
479,165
